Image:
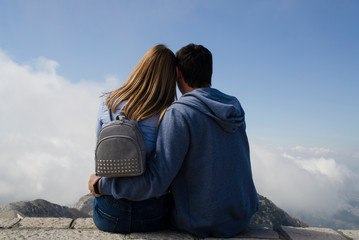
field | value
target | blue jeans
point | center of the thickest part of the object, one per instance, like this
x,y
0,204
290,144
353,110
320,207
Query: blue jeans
x,y
124,216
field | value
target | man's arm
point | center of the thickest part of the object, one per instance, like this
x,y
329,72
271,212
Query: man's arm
x,y
171,148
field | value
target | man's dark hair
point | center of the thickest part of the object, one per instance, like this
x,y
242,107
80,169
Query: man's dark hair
x,y
195,63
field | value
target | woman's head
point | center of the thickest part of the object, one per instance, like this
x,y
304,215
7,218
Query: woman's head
x,y
151,86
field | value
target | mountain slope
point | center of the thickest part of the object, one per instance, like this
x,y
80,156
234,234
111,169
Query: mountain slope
x,y
270,214
38,208
84,204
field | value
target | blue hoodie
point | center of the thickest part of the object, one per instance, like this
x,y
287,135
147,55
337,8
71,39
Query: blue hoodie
x,y
202,155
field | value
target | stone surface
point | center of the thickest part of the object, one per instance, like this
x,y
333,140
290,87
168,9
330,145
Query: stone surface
x,y
8,222
50,234
353,234
166,234
84,228
45,222
259,231
84,223
295,233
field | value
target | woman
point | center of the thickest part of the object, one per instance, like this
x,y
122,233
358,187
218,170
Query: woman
x,y
144,97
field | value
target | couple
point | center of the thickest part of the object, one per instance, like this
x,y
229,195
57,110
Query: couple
x,y
198,177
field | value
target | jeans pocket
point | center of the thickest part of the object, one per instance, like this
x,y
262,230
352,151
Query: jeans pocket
x,y
103,221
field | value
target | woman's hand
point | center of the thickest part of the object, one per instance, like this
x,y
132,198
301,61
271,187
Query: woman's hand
x,y
93,179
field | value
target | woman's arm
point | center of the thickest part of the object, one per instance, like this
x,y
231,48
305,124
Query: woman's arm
x,y
171,148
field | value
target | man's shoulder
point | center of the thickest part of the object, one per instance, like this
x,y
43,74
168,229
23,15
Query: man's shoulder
x,y
177,112
181,107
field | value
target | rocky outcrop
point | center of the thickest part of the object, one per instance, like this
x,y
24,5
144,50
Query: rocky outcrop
x,y
85,204
272,215
39,208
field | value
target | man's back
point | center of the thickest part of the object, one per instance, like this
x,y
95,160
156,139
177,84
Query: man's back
x,y
213,192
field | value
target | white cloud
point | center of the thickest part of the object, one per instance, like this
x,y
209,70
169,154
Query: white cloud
x,y
313,150
47,131
326,167
313,185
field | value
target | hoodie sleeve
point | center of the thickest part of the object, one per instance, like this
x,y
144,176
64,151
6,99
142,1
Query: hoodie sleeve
x,y
171,148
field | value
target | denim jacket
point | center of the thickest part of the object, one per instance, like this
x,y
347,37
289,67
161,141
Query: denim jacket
x,y
148,126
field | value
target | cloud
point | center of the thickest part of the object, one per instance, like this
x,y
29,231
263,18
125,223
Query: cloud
x,y
47,131
313,150
302,185
326,167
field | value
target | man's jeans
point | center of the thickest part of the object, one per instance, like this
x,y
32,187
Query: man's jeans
x,y
123,216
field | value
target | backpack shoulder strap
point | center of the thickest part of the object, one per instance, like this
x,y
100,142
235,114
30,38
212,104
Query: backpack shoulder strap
x,y
109,113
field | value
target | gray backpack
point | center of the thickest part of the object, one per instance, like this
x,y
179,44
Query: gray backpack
x,y
120,149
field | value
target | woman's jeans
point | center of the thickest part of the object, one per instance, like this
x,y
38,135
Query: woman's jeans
x,y
124,216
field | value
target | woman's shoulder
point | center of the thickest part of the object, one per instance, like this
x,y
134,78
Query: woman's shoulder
x,y
147,123
150,122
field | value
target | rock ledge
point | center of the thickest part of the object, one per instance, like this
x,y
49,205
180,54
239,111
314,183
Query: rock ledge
x,y
84,228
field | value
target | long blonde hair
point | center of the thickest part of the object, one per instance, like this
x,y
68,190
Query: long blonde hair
x,y
150,88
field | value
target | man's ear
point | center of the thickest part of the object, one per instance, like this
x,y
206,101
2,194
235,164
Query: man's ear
x,y
179,73
180,81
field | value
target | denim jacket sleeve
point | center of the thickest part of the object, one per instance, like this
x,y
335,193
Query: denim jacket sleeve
x,y
171,148
102,116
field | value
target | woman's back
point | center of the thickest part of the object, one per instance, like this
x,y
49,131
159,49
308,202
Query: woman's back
x,y
144,97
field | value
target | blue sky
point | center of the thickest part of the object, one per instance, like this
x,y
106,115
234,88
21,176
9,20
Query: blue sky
x,y
292,64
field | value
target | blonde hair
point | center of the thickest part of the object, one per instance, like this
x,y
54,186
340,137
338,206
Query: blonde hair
x,y
150,88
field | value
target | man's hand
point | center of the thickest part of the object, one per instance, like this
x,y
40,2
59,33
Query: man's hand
x,y
92,180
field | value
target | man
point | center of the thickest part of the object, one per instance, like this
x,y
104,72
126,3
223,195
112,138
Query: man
x,y
202,156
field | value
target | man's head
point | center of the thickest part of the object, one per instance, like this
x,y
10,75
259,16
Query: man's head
x,y
195,64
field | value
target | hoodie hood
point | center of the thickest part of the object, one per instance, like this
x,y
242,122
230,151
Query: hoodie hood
x,y
224,109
